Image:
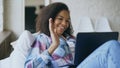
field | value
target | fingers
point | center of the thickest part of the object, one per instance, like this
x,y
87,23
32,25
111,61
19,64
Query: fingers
x,y
50,24
52,27
55,30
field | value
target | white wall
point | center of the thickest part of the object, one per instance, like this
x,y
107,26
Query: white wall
x,y
94,9
14,16
34,2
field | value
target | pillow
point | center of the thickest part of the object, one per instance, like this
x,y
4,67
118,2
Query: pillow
x,y
5,63
21,49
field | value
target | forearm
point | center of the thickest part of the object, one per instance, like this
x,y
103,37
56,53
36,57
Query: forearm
x,y
52,48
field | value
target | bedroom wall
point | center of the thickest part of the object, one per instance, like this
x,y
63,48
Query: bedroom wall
x,y
94,9
14,17
33,2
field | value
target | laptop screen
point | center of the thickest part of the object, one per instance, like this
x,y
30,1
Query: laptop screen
x,y
86,43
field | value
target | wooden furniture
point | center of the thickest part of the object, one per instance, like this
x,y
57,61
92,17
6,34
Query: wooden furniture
x,y
5,47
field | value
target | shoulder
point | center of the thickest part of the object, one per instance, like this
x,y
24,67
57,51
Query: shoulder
x,y
41,37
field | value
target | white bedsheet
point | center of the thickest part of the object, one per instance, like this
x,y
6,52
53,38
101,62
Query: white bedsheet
x,y
5,63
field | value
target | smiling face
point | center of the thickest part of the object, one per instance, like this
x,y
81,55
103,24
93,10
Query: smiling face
x,y
62,22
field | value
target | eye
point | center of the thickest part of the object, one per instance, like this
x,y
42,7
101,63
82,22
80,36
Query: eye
x,y
68,21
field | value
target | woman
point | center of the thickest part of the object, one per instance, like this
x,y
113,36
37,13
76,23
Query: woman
x,y
50,48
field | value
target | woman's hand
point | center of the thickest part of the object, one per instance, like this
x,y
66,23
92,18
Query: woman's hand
x,y
54,36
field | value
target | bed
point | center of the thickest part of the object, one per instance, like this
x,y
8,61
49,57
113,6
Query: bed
x,y
21,48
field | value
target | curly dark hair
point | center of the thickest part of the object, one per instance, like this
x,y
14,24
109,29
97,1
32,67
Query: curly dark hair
x,y
51,11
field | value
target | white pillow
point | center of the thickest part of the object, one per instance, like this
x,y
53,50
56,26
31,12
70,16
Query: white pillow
x,y
21,49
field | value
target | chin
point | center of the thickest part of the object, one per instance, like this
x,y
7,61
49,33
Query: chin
x,y
59,33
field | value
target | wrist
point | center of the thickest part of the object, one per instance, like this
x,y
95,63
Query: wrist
x,y
52,48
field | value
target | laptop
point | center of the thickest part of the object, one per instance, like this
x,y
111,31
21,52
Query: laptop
x,y
86,43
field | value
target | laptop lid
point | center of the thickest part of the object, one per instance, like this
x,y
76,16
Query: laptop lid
x,y
86,43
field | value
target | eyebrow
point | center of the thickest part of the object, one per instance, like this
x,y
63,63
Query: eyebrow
x,y
62,16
